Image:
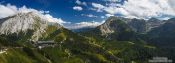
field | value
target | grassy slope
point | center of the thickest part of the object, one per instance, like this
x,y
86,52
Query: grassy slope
x,y
16,55
79,49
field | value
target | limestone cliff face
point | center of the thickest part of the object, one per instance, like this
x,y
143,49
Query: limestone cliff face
x,y
22,22
113,25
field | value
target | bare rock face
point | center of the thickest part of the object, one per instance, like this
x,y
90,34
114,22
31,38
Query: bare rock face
x,y
114,25
153,23
22,22
163,35
106,28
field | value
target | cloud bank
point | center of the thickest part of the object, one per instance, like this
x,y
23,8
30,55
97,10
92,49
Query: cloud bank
x,y
78,8
139,8
7,10
80,25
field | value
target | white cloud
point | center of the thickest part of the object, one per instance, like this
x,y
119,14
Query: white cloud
x,y
57,20
78,8
116,10
111,8
9,10
140,8
149,8
98,7
113,0
109,15
102,17
84,24
80,3
89,15
171,3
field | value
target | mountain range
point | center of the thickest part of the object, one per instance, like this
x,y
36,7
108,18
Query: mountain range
x,y
117,40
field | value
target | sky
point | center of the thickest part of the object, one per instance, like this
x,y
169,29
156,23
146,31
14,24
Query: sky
x,y
74,14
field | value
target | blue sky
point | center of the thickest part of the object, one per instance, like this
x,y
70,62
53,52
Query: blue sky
x,y
82,13
60,8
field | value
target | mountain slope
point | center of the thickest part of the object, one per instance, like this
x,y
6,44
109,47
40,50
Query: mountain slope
x,y
163,35
153,23
113,24
70,47
115,41
116,28
138,25
26,23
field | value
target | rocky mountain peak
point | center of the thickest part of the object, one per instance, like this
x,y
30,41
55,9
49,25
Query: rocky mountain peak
x,y
113,24
22,22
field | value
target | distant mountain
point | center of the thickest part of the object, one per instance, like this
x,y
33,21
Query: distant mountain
x,y
125,28
114,28
153,23
113,25
163,35
144,26
138,25
82,29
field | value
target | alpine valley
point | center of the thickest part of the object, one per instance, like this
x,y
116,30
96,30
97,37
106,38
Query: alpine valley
x,y
30,38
